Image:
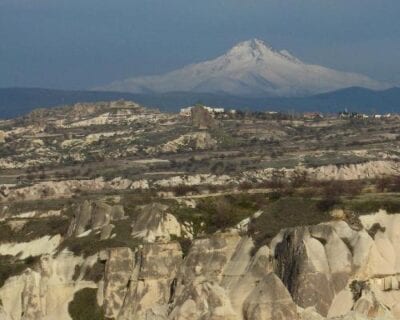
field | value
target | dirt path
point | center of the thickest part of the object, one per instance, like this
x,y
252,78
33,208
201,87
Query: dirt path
x,y
222,193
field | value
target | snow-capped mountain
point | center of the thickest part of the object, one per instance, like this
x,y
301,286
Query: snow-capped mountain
x,y
250,68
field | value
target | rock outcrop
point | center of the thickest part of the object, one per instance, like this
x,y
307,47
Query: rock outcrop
x,y
217,276
188,142
367,170
326,271
270,300
117,275
320,265
43,291
152,282
2,136
155,223
94,215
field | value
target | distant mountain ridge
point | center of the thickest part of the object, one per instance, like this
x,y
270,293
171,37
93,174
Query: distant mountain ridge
x,y
250,68
18,101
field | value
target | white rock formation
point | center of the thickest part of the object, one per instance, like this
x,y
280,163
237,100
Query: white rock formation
x,y
36,247
326,271
43,293
154,223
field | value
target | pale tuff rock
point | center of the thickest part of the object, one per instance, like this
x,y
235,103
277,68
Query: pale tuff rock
x,y
67,188
35,214
2,139
5,190
316,259
198,179
101,215
32,306
55,189
327,271
154,223
37,143
243,226
198,291
81,219
202,117
16,225
371,169
126,184
244,272
370,307
118,271
338,214
387,237
342,304
106,231
93,216
121,183
191,141
3,315
303,267
36,247
217,276
153,281
140,184
317,264
367,170
208,257
118,116
309,314
43,292
270,300
12,163
89,139
137,285
205,300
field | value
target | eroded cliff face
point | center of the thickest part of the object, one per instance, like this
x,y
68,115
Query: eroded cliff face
x,y
44,292
328,271
69,188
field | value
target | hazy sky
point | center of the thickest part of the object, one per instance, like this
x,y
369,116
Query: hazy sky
x,y
75,44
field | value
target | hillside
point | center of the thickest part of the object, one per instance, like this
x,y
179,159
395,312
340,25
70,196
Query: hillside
x,y
18,101
112,210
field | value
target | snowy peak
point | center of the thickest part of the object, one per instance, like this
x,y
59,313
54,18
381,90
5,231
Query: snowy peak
x,y
252,47
258,49
289,56
251,68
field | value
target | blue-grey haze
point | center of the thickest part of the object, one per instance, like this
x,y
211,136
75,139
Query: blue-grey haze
x,y
77,44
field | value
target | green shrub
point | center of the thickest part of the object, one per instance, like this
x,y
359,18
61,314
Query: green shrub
x,y
9,266
285,212
357,288
217,213
376,227
371,205
84,306
35,228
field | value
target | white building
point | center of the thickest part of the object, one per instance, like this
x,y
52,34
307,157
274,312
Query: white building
x,y
186,112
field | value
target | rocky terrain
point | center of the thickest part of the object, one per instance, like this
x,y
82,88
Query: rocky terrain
x,y
115,211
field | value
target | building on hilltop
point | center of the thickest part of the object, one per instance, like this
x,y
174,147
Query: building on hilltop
x,y
186,112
